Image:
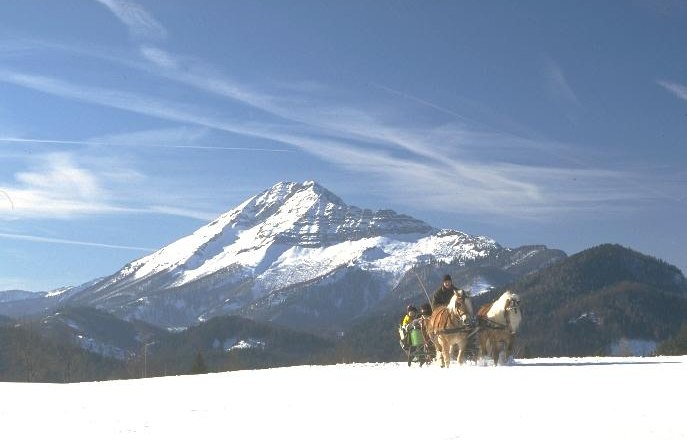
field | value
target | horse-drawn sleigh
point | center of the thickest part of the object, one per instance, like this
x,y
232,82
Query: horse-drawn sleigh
x,y
415,340
455,327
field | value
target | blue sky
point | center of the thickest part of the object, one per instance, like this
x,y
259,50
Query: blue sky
x,y
126,125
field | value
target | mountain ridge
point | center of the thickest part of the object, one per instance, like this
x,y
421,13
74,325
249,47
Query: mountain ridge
x,y
287,254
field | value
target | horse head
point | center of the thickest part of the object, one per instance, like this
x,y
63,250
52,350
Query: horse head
x,y
512,311
461,307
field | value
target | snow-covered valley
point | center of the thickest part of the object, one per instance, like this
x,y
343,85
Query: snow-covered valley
x,y
560,398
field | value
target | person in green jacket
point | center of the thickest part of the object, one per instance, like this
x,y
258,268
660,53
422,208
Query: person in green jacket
x,y
411,314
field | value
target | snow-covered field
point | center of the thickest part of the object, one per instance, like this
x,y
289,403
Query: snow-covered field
x,y
585,398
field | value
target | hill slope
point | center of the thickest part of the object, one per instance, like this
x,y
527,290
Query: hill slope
x,y
605,300
599,299
27,355
233,343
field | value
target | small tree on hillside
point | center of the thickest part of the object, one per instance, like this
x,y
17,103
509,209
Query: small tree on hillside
x,y
676,345
199,366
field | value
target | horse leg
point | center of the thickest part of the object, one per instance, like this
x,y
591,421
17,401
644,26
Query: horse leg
x,y
509,349
437,346
439,353
482,346
495,350
465,349
446,354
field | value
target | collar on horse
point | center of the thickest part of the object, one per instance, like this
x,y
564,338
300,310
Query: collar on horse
x,y
456,324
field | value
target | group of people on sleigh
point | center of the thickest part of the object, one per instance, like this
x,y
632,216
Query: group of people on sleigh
x,y
414,317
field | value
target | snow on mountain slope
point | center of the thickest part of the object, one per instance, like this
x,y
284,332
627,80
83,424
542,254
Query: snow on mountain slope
x,y
57,292
293,253
254,234
563,399
384,255
296,232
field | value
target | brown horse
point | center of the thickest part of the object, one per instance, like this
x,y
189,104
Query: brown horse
x,y
499,322
449,327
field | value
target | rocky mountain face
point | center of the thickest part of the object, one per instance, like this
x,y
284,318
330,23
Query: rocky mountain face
x,y
298,255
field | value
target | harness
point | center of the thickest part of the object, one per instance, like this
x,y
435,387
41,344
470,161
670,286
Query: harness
x,y
471,330
456,325
493,325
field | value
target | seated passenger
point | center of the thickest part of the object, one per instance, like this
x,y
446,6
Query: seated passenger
x,y
411,314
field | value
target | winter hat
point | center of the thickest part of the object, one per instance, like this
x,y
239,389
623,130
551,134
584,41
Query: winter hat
x,y
447,277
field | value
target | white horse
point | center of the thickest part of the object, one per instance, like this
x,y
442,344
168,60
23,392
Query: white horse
x,y
449,327
499,322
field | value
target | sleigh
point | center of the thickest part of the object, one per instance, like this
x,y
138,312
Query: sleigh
x,y
415,342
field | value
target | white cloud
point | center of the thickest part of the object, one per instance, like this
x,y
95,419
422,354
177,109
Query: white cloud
x,y
676,89
184,212
62,176
159,57
56,187
447,161
474,188
451,162
70,185
140,139
40,239
137,20
136,103
557,84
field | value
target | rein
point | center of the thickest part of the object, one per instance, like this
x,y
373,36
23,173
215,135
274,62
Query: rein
x,y
454,321
464,329
493,325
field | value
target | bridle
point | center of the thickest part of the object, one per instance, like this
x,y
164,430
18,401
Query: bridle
x,y
512,306
462,309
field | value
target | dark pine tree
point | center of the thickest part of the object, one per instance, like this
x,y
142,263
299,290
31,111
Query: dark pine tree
x,y
199,366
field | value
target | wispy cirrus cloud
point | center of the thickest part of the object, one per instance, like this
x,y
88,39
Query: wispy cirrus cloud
x,y
443,166
56,187
159,57
138,21
68,185
679,90
477,188
41,239
128,101
146,139
557,84
484,166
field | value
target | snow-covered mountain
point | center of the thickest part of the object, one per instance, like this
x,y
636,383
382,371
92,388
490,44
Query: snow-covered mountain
x,y
294,251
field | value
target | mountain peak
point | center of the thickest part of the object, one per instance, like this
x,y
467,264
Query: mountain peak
x,y
264,205
308,214
287,189
287,215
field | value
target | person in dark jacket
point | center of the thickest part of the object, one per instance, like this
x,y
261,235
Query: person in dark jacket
x,y
444,293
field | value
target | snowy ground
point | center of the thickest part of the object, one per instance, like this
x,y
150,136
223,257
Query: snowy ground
x,y
599,398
